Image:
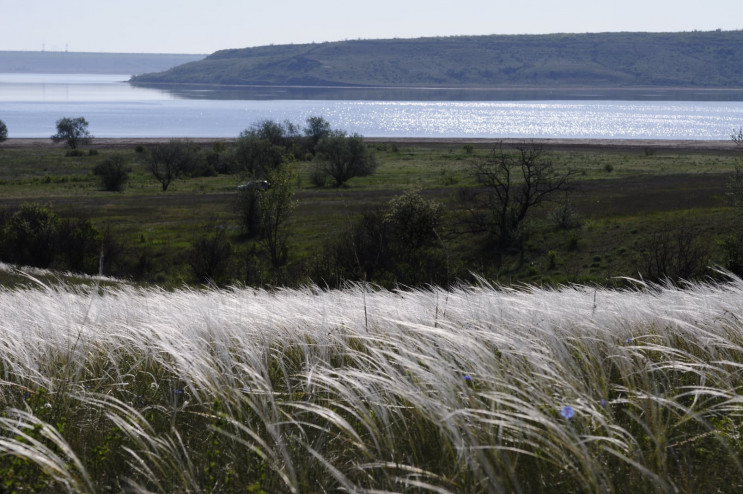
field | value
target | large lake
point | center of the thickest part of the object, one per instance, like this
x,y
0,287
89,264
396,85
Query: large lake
x,y
30,104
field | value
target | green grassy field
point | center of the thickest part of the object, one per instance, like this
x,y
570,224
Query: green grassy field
x,y
622,198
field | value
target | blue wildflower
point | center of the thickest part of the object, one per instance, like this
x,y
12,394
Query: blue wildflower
x,y
26,395
467,378
628,340
603,402
567,412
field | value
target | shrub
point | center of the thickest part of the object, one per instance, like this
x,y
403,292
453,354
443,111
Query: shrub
x,y
676,253
210,257
113,173
564,216
33,235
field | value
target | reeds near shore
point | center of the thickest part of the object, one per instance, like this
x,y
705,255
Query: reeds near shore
x,y
475,389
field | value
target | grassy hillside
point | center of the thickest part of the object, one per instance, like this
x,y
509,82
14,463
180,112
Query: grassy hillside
x,y
89,63
693,59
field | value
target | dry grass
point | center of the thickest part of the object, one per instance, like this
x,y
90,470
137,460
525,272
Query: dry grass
x,y
475,389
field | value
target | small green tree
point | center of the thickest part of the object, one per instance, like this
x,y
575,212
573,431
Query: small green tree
x,y
113,173
171,160
3,131
276,204
255,157
413,220
73,131
316,129
343,157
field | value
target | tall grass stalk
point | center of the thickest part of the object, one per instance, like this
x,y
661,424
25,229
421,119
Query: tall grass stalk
x,y
475,389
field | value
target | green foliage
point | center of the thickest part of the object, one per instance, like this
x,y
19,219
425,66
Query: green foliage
x,y
3,131
73,131
342,157
564,215
683,59
275,205
113,172
316,129
172,160
210,257
397,244
34,235
255,157
413,220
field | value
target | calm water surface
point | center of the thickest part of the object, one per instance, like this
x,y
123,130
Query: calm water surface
x,y
30,104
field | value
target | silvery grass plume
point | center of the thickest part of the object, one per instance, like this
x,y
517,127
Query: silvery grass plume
x,y
473,389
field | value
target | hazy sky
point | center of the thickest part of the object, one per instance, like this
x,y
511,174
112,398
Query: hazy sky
x,y
205,26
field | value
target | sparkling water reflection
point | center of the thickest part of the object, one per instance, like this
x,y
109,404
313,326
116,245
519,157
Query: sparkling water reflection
x,y
30,104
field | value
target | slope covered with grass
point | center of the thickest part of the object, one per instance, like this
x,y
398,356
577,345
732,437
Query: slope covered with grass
x,y
475,389
683,59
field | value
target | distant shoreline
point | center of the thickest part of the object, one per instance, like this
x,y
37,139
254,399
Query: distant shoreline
x,y
556,144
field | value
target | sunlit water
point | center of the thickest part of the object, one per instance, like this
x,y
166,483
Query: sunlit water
x,y
30,104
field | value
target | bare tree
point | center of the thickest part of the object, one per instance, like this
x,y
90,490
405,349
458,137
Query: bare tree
x,y
513,183
171,160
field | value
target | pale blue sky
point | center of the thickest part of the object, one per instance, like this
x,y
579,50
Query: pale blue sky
x,y
201,26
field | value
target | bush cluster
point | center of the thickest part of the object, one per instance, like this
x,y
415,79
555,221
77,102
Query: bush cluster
x,y
33,235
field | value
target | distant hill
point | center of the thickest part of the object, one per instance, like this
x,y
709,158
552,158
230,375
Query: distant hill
x,y
688,59
51,62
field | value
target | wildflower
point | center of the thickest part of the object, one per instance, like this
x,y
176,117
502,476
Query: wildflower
x,y
178,391
603,402
567,412
26,395
245,389
467,378
628,340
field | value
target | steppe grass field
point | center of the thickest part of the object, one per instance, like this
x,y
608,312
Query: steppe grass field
x,y
478,388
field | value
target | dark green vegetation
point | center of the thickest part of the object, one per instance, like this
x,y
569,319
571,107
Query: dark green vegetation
x,y
73,132
51,62
654,212
688,59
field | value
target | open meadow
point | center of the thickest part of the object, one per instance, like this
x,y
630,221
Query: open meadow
x,y
477,388
631,205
